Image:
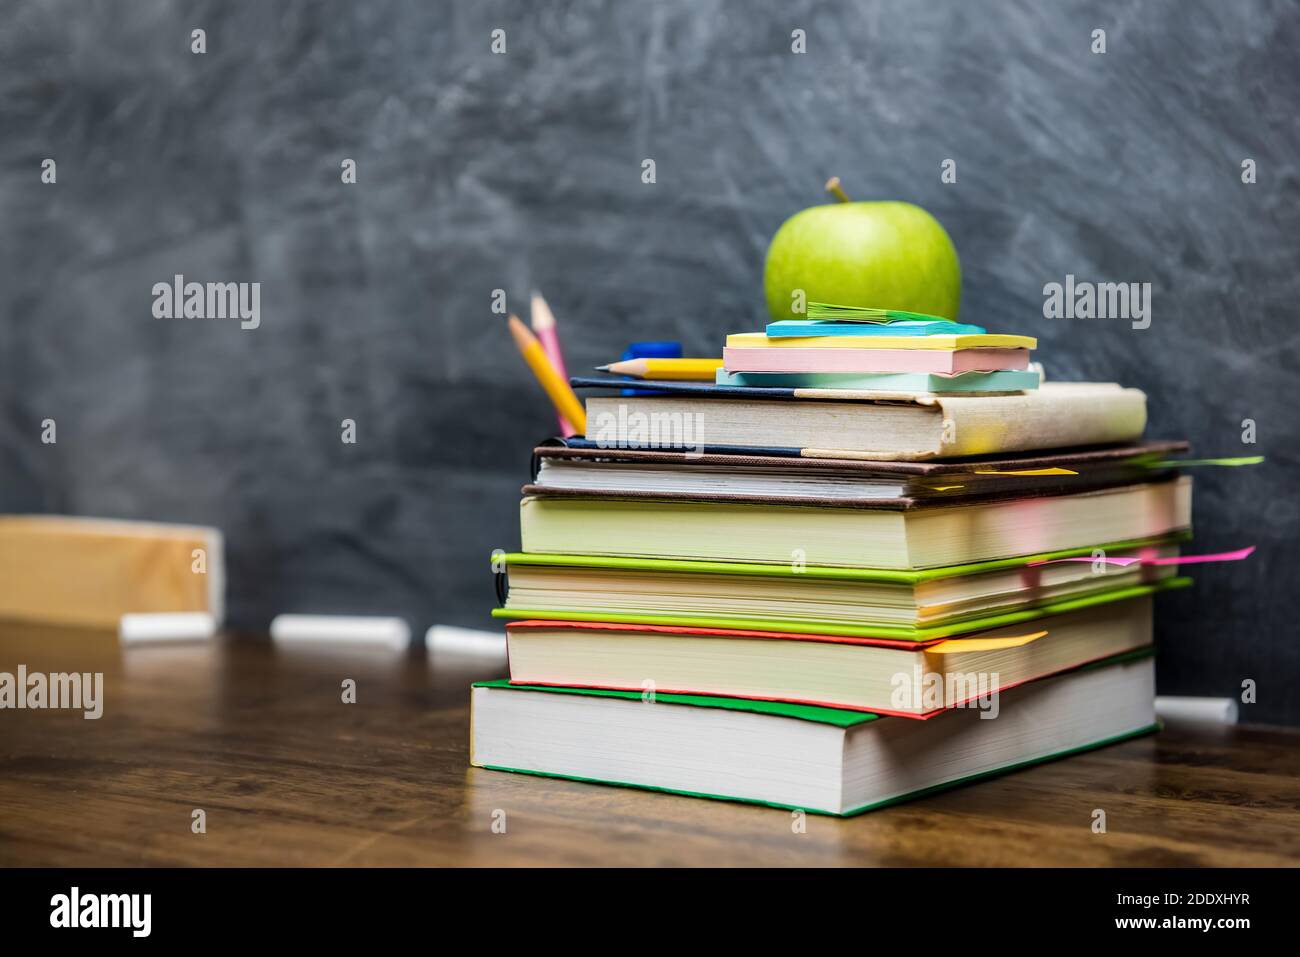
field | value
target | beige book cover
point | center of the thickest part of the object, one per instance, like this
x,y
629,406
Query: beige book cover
x,y
866,425
1053,416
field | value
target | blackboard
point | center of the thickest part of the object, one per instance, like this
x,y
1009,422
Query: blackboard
x,y
479,171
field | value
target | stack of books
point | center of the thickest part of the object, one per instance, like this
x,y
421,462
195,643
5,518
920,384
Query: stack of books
x,y
875,558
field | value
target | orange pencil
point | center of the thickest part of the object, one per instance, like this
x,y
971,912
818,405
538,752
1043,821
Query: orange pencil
x,y
557,389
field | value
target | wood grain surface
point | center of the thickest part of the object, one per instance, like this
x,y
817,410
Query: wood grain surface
x,y
287,774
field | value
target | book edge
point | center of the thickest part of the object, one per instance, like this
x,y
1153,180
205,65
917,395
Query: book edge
x,y
851,812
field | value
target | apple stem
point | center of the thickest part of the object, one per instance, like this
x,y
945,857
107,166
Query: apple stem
x,y
833,187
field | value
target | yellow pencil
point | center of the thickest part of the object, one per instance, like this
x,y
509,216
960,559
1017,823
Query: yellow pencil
x,y
693,370
543,323
561,396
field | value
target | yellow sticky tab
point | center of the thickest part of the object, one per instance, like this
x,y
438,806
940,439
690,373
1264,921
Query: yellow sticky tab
x,y
945,488
1051,471
955,645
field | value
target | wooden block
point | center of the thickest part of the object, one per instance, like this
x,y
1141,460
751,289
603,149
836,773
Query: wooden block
x,y
90,572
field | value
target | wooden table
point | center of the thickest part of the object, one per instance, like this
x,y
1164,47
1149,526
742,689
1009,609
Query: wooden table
x,y
287,774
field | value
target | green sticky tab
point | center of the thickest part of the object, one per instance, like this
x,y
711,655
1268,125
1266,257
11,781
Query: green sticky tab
x,y
1184,463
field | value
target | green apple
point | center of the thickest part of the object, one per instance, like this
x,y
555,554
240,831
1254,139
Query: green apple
x,y
887,255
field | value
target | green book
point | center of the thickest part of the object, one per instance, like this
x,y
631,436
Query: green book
x,y
780,531
918,605
1113,549
816,759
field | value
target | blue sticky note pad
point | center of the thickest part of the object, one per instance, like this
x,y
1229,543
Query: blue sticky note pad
x,y
788,328
661,349
1010,380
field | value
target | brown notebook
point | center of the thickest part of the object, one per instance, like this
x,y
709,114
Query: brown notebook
x,y
560,470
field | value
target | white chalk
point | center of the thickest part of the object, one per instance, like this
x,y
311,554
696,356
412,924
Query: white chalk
x,y
1185,708
448,639
373,632
166,626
